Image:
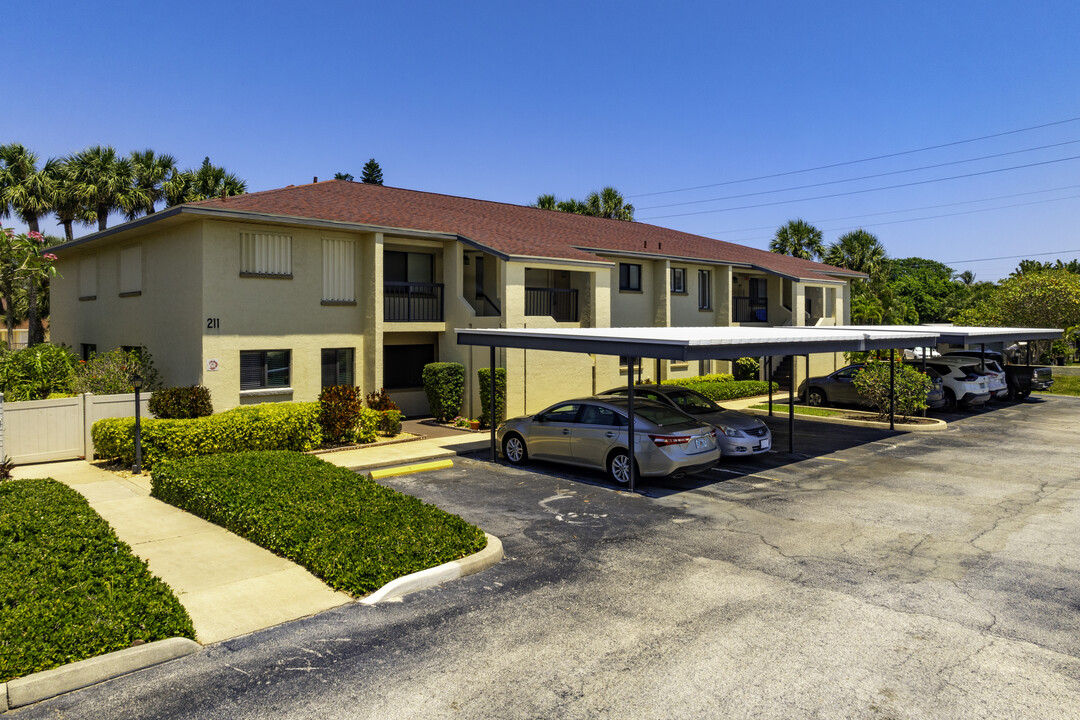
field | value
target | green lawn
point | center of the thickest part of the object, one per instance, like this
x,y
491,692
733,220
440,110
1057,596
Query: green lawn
x,y
345,528
69,589
1065,385
799,409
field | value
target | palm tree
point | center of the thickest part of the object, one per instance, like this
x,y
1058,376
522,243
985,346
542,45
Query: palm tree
x,y
545,202
857,250
209,181
68,207
105,182
967,277
344,176
151,171
609,203
799,239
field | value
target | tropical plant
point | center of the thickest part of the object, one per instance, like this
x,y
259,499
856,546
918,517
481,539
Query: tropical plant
x,y
798,238
209,181
344,176
105,181
111,373
67,204
34,373
372,173
150,173
857,250
606,203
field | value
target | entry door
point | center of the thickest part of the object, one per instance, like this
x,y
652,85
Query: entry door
x,y
549,436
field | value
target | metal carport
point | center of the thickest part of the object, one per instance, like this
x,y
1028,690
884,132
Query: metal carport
x,y
691,343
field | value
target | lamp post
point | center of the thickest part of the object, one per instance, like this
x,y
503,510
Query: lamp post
x,y
137,383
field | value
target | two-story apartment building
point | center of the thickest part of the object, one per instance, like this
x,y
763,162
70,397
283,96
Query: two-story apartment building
x,y
274,295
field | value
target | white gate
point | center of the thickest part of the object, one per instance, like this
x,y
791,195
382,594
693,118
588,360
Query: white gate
x,y
43,430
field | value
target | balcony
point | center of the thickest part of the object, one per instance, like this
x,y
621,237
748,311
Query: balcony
x,y
559,304
412,302
749,310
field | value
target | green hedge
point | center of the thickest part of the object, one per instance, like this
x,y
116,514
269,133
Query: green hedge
x,y
181,403
444,384
268,426
727,390
345,528
484,375
69,589
714,377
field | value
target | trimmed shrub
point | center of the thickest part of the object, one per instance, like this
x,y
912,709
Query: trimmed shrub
x,y
746,368
36,372
444,384
69,588
339,413
367,425
345,528
872,382
268,426
730,390
485,395
389,421
180,403
381,401
714,377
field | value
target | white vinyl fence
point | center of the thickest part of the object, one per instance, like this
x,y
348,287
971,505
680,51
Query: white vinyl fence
x,y
44,430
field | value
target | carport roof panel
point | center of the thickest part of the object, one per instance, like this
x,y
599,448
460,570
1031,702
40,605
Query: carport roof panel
x,y
697,343
964,335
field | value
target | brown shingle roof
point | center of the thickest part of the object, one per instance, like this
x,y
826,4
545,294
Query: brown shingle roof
x,y
510,229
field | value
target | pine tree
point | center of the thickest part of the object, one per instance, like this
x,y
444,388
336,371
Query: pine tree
x,y
372,174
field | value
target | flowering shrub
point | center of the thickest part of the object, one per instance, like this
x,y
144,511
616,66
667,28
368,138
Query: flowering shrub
x,y
461,422
111,373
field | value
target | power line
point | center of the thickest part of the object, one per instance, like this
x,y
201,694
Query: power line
x,y
1011,257
862,177
862,160
867,190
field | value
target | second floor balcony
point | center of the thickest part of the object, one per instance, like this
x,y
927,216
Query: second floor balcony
x,y
560,304
749,309
412,302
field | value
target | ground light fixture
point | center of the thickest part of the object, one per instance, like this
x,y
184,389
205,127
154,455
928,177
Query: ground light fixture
x,y
137,383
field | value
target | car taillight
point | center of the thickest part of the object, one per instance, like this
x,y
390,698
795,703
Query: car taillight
x,y
662,440
971,378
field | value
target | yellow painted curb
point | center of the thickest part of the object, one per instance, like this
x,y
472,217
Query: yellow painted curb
x,y
406,469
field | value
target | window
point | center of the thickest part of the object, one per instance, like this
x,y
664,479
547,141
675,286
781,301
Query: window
x,y
629,276
678,280
88,278
408,267
131,271
704,293
562,414
403,365
263,369
337,367
265,254
339,271
596,415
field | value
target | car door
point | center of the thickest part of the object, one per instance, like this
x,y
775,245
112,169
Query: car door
x,y
842,387
549,434
597,430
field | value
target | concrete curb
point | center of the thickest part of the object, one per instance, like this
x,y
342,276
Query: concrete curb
x,y
936,426
434,454
50,683
409,469
490,555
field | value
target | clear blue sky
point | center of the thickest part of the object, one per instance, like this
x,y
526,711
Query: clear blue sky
x,y
505,101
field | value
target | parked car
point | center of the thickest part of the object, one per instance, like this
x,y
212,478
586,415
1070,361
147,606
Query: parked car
x,y
999,387
965,386
592,432
738,433
1019,379
838,388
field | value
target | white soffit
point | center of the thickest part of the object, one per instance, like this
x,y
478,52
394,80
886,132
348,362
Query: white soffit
x,y
697,343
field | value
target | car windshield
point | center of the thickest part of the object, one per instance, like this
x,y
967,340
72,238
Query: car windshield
x,y
661,416
692,403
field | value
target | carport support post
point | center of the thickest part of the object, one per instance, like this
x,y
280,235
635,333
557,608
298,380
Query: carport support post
x,y
982,356
630,438
791,409
770,386
925,350
491,410
892,389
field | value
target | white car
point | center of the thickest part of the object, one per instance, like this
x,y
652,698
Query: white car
x,y
965,385
999,387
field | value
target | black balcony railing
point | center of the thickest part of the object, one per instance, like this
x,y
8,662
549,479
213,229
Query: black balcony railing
x,y
560,304
412,302
748,309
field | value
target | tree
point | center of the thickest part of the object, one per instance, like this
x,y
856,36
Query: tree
x,y
372,173
1034,266
606,203
799,239
857,250
1048,299
105,181
68,207
150,172
209,181
967,277
344,176
925,284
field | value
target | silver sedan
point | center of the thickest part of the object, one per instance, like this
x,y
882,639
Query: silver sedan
x,y
737,433
592,432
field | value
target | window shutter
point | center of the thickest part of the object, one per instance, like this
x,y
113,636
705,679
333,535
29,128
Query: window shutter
x,y
339,270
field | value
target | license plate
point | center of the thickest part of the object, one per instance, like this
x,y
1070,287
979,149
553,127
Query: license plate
x,y
764,445
701,443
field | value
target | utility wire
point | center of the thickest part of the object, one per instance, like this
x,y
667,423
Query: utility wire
x,y
1011,257
862,177
862,160
868,190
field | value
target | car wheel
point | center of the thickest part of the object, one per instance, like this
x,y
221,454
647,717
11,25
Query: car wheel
x,y
815,398
618,467
514,449
950,401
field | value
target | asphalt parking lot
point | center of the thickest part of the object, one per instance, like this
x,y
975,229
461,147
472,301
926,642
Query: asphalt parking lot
x,y
870,575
